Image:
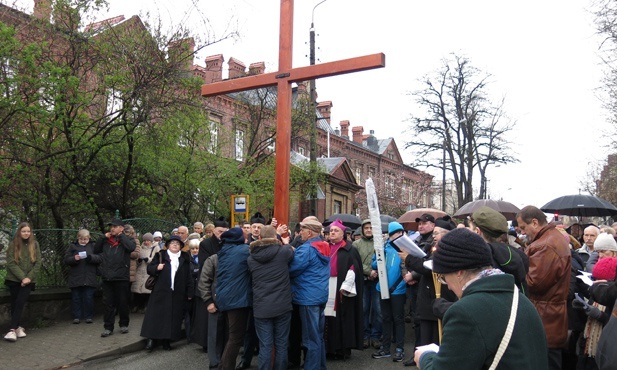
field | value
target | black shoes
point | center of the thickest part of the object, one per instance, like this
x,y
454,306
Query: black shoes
x,y
242,366
410,362
166,345
149,345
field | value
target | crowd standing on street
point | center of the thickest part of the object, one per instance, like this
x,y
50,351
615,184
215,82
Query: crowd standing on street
x,y
484,293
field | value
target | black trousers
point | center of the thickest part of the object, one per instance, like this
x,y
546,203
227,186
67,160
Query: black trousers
x,y
19,297
116,299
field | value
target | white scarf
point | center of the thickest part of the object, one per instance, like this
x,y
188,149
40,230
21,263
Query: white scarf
x,y
173,257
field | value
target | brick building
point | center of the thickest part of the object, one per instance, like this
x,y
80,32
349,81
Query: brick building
x,y
348,160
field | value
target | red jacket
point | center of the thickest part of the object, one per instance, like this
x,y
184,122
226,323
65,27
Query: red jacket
x,y
548,282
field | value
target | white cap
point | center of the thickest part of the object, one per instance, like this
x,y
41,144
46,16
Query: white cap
x,y
157,234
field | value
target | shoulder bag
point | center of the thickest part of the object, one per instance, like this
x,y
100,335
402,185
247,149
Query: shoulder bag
x,y
151,281
506,337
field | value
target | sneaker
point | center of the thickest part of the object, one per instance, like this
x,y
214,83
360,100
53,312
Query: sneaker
x,y
76,321
398,356
380,354
11,336
124,329
107,333
89,321
21,333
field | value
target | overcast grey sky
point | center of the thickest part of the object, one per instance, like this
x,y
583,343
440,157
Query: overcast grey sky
x,y
542,55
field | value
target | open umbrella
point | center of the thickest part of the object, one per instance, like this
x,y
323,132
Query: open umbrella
x,y
351,221
410,216
507,209
580,205
385,220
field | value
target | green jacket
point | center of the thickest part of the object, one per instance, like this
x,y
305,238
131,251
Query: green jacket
x,y
25,268
366,248
474,326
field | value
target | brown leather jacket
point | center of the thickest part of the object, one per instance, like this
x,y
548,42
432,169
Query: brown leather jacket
x,y
548,282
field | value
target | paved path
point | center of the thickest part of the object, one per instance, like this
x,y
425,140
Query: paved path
x,y
64,344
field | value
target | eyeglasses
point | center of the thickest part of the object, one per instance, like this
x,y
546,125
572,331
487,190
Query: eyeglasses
x,y
441,279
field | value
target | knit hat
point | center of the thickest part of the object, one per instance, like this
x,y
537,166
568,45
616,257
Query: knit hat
x,y
490,221
426,217
157,234
220,222
605,242
605,269
311,224
176,238
148,236
394,227
338,223
235,235
460,249
258,219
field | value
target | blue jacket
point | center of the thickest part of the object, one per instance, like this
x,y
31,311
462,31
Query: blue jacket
x,y
393,270
309,272
233,280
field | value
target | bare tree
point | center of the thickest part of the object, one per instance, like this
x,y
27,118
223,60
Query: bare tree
x,y
461,120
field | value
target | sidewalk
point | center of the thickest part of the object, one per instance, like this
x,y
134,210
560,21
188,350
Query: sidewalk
x,y
65,343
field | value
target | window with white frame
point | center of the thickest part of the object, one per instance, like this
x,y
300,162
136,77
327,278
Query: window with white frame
x,y
7,76
337,206
301,150
359,174
239,145
272,145
114,103
212,145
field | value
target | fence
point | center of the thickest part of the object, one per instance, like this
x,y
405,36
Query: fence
x,y
54,243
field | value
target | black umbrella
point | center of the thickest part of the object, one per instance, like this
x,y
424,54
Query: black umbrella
x,y
348,220
507,209
580,205
385,220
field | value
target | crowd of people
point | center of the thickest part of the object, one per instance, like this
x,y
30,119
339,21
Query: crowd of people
x,y
481,294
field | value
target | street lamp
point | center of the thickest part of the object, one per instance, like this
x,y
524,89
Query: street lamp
x,y
313,114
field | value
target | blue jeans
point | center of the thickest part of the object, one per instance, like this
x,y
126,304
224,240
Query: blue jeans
x,y
313,323
273,331
372,310
82,298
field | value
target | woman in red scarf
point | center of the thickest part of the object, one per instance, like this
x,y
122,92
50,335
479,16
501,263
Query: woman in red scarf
x,y
344,315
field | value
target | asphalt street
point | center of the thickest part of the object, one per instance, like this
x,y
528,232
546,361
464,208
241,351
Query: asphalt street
x,y
191,356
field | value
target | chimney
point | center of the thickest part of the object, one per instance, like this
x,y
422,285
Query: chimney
x,y
345,129
302,90
372,132
324,108
181,53
257,68
358,132
214,68
42,9
236,68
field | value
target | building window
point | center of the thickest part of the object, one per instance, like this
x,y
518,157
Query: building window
x,y
301,150
7,76
272,145
212,146
371,172
114,104
239,145
337,206
359,174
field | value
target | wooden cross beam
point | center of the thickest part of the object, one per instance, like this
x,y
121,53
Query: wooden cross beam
x,y
283,79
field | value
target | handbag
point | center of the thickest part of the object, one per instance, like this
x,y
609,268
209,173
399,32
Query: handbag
x,y
151,281
506,337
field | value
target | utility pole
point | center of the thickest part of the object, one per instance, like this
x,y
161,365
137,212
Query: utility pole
x,y
313,119
443,178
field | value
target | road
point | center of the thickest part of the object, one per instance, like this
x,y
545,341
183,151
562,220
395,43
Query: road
x,y
191,356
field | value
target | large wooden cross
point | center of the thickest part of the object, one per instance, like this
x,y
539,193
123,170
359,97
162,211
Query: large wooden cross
x,y
283,79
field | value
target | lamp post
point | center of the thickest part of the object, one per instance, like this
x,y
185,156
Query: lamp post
x,y
313,115
443,178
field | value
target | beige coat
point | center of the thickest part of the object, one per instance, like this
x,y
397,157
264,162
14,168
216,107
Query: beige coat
x,y
141,275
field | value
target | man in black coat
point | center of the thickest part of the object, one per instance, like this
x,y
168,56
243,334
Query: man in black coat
x,y
114,249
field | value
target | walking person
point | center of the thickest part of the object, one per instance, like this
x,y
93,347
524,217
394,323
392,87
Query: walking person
x,y
174,287
23,262
269,266
115,250
82,276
